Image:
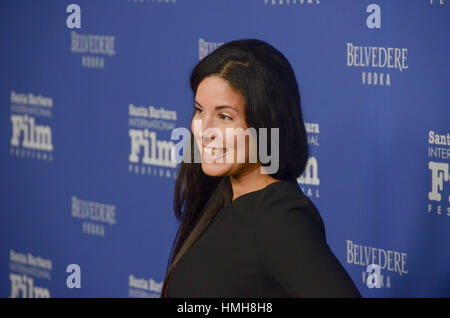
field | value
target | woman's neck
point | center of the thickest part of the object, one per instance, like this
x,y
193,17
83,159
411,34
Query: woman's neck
x,y
250,180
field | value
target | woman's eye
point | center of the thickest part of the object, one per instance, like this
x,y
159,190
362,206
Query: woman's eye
x,y
222,116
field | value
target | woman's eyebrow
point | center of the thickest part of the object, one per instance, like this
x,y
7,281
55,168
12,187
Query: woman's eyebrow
x,y
218,107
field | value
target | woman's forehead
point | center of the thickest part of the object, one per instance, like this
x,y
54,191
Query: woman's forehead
x,y
214,91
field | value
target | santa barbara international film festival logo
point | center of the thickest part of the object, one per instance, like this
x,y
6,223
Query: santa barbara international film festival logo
x,y
143,288
31,126
29,275
439,171
309,180
151,154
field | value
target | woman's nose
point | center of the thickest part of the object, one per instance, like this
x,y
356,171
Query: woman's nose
x,y
208,130
207,135
203,130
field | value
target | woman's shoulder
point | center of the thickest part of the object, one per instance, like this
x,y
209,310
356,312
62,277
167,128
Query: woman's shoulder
x,y
283,206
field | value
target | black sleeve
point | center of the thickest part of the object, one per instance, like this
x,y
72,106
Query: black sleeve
x,y
292,248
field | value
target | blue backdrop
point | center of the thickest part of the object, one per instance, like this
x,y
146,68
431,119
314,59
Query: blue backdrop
x,y
77,186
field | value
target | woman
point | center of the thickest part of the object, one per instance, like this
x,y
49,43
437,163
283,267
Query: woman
x,y
243,232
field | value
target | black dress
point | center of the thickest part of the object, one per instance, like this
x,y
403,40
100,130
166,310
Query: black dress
x,y
266,243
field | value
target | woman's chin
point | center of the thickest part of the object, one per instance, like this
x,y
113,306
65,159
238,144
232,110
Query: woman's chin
x,y
215,169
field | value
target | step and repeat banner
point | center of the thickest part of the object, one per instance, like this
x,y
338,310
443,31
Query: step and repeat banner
x,y
91,91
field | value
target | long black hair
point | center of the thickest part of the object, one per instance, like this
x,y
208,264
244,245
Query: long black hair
x,y
266,80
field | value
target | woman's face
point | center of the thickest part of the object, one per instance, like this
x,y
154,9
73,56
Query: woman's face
x,y
219,107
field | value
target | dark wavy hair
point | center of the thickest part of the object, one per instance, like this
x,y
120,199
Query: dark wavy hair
x,y
266,80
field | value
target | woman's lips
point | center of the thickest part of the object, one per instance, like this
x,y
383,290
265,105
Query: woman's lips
x,y
213,154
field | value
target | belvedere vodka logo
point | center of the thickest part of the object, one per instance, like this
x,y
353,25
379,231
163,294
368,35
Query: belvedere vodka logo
x,y
377,264
439,172
29,274
95,216
377,64
205,47
309,181
150,153
93,48
143,288
31,131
